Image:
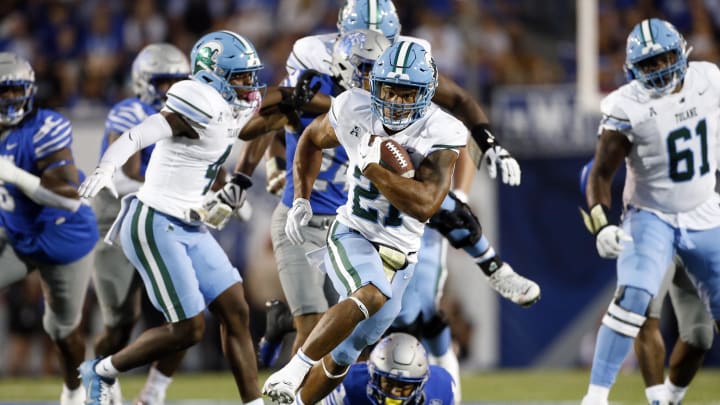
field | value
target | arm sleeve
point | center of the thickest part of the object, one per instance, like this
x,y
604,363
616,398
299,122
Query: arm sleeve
x,y
148,132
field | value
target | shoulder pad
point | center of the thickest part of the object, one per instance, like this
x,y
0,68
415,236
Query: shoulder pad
x,y
125,115
352,101
192,100
613,108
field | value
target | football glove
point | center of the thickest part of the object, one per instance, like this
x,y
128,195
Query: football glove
x,y
226,201
298,217
609,239
496,157
101,178
369,150
293,99
460,225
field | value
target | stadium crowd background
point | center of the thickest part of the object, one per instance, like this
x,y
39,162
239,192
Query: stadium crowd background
x,y
81,51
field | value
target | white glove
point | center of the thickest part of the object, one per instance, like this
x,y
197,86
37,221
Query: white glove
x,y
101,178
497,157
298,217
369,150
609,241
275,177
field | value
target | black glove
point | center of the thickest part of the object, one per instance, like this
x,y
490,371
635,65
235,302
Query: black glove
x,y
233,193
293,99
460,219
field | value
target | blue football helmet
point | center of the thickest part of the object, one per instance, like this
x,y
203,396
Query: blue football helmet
x,y
376,15
219,55
649,39
18,76
404,64
398,368
354,55
156,63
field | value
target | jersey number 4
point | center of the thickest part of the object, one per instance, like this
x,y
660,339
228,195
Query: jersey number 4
x,y
682,162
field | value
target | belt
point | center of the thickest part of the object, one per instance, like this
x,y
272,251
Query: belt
x,y
321,222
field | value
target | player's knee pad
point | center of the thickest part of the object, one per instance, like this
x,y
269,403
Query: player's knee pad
x,y
700,336
627,311
59,328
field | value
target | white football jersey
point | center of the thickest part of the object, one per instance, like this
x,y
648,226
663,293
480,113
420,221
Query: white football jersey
x,y
671,166
181,170
366,209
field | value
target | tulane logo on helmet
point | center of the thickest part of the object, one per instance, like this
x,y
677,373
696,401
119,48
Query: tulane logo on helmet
x,y
207,56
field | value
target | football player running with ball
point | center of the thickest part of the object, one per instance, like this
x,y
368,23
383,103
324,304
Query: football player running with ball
x,y
162,228
373,242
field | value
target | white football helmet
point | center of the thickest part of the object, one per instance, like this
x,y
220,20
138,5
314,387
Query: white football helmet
x,y
354,54
154,63
16,76
398,368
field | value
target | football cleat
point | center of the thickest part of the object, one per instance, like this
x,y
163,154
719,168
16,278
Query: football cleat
x,y
281,386
513,286
98,388
279,322
150,396
74,397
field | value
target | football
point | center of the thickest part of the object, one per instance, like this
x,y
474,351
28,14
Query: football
x,y
395,158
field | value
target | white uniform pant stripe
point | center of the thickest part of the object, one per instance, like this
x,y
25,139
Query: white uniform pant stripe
x,y
153,266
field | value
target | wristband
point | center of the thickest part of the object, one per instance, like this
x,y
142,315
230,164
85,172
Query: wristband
x,y
483,136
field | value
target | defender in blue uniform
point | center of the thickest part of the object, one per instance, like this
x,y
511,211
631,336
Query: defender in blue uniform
x,y
397,373
46,225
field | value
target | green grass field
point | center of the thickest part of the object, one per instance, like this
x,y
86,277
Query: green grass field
x,y
510,385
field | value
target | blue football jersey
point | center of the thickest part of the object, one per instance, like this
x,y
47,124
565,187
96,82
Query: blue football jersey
x,y
330,188
437,391
123,116
45,234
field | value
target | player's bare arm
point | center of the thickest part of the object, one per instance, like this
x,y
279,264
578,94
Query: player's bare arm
x,y
421,196
450,96
610,153
63,178
317,136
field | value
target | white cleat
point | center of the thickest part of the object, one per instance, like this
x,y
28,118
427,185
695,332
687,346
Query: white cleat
x,y
514,287
76,397
281,387
150,396
590,400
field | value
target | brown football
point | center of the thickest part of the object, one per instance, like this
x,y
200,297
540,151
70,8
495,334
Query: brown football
x,y
395,158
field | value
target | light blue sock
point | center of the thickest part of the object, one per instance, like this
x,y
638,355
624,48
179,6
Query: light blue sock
x,y
610,351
